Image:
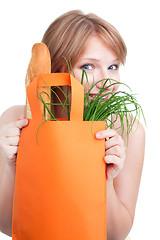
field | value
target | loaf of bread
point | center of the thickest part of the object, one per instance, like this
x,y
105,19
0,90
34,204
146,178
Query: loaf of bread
x,y
40,63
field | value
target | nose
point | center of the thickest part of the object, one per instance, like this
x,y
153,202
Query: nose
x,y
106,83
103,79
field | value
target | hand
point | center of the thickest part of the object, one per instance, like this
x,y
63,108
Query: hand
x,y
114,152
9,140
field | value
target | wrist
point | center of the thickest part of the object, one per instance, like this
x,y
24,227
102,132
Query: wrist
x,y
110,185
110,190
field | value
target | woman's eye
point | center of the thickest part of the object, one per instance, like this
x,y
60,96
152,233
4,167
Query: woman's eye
x,y
113,67
86,67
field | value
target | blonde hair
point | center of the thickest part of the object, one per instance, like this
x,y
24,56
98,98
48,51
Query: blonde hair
x,y
66,37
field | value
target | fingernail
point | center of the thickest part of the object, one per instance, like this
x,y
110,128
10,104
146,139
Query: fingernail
x,y
98,135
25,121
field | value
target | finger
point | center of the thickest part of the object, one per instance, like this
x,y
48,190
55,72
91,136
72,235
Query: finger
x,y
115,161
109,133
19,124
111,172
22,123
116,140
12,141
115,150
11,151
13,129
113,166
112,159
12,132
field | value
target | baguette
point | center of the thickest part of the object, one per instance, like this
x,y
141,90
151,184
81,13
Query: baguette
x,y
40,63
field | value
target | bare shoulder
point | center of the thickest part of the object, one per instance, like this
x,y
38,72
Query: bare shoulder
x,y
12,114
136,135
135,148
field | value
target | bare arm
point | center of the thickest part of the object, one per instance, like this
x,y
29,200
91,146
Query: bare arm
x,y
6,199
124,168
123,190
9,138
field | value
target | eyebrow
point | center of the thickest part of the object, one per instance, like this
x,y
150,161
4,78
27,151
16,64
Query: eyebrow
x,y
116,60
95,59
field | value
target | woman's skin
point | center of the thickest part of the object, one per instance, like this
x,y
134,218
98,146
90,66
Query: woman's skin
x,y
100,63
124,162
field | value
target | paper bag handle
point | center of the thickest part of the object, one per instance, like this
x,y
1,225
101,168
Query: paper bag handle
x,y
57,79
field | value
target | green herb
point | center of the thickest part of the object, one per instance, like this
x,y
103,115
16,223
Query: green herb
x,y
104,106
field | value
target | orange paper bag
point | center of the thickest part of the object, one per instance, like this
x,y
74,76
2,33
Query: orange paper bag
x,y
60,186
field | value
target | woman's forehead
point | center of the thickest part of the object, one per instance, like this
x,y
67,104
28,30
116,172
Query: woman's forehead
x,y
95,47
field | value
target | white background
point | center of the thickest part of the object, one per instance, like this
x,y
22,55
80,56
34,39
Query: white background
x,y
22,23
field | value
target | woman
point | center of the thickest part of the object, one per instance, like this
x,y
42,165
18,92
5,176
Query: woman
x,y
96,46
